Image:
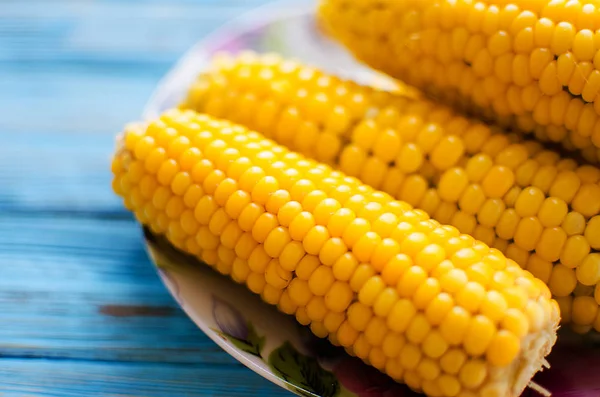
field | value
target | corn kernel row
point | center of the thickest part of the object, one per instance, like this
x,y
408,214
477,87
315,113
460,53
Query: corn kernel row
x,y
540,210
534,65
430,307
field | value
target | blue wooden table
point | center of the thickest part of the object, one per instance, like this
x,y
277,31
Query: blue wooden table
x,y
82,311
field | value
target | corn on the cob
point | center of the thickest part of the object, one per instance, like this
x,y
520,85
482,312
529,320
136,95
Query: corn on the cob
x,y
539,210
431,307
534,65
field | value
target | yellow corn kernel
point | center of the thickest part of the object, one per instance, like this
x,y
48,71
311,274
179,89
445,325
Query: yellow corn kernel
x,y
460,171
544,50
388,317
584,310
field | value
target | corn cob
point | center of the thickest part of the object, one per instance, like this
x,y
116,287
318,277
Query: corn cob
x,y
534,65
431,307
541,211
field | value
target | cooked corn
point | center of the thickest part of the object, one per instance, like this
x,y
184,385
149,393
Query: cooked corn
x,y
534,65
540,210
430,307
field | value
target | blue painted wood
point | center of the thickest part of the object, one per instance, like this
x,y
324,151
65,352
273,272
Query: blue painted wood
x,y
88,280
76,175
76,379
82,311
71,98
152,32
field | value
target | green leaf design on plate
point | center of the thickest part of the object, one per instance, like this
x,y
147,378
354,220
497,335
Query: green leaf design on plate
x,y
303,372
254,344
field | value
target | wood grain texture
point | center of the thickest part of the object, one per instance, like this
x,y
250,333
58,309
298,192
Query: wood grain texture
x,y
82,311
76,379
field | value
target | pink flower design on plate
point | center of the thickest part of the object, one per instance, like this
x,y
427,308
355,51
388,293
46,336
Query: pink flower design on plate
x,y
229,320
233,327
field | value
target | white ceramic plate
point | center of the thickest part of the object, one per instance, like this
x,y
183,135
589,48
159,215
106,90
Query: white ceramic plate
x,y
266,341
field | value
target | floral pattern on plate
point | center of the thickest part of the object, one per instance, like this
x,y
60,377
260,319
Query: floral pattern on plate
x,y
274,345
235,329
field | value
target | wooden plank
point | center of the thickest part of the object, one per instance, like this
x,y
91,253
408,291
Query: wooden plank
x,y
83,312
144,3
77,379
83,288
107,31
58,172
76,63
72,99
206,3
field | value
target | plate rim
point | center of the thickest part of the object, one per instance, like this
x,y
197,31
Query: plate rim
x,y
258,16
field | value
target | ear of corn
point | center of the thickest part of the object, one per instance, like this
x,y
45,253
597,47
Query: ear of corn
x,y
430,307
540,210
533,65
